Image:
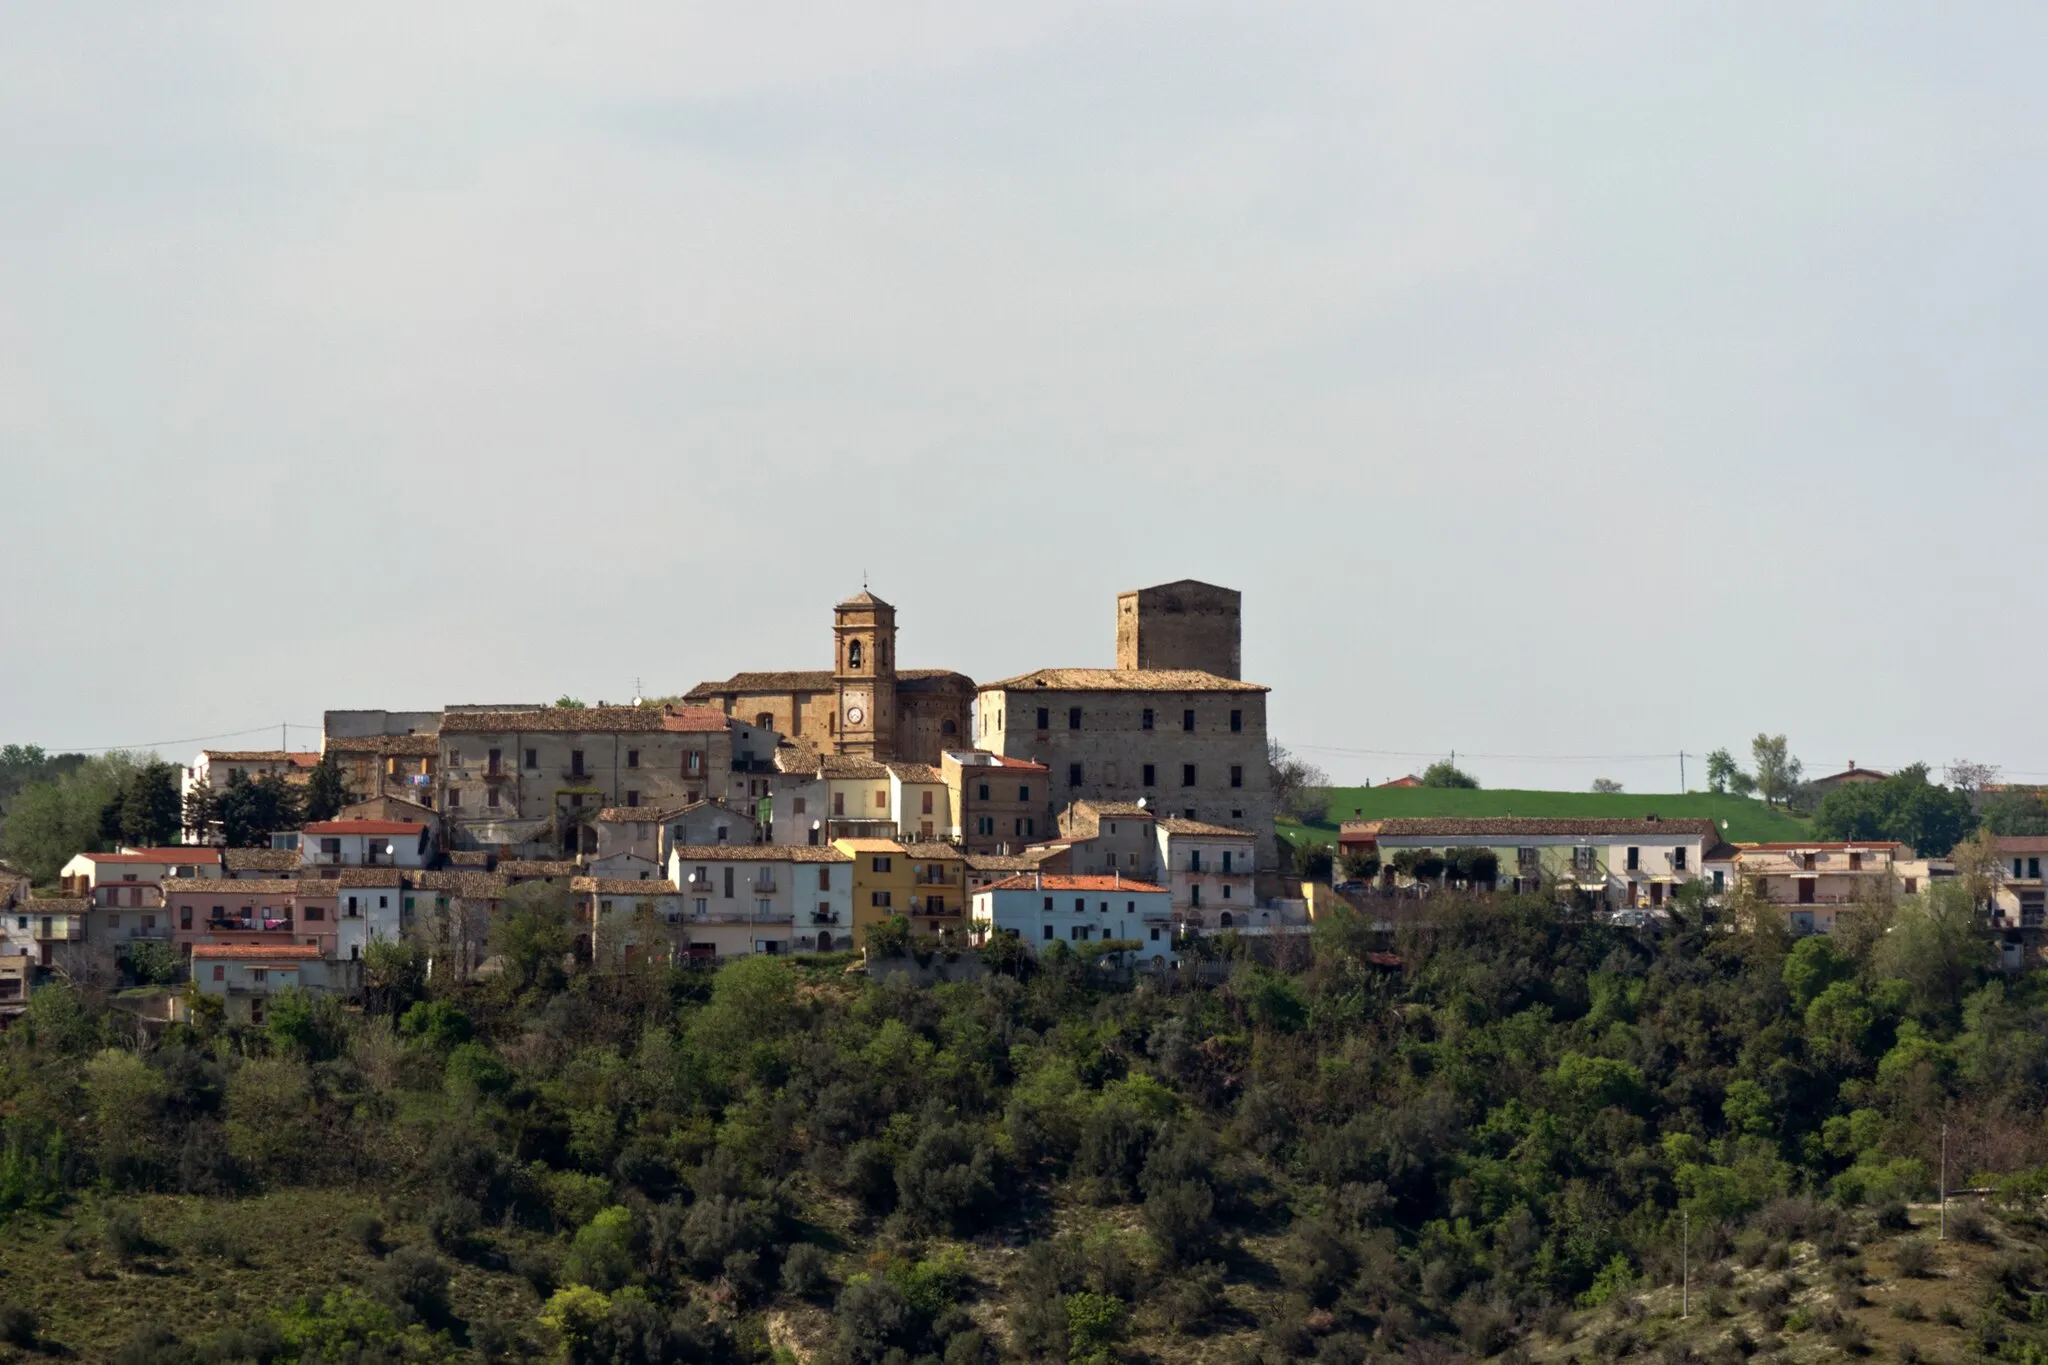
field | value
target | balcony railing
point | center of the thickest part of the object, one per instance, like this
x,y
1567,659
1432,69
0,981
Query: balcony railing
x,y
825,917
254,924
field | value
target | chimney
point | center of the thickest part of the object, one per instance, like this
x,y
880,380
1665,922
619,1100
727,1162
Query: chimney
x,y
1852,765
1037,880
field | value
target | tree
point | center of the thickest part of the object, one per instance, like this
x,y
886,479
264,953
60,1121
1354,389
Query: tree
x,y
1300,788
1606,786
251,810
1970,776
534,933
1721,771
202,813
1936,945
1444,773
150,810
566,702
1777,772
326,792
2020,811
50,821
1905,807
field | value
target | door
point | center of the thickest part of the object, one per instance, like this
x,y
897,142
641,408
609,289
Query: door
x,y
1806,885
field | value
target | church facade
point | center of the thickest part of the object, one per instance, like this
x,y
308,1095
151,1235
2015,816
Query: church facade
x,y
864,706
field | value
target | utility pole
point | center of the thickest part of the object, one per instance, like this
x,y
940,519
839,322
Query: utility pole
x,y
1941,1233
1681,772
1685,1263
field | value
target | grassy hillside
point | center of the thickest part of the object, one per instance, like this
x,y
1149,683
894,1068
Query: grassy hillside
x,y
1747,820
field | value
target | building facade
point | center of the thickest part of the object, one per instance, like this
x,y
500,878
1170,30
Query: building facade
x,y
995,804
1042,909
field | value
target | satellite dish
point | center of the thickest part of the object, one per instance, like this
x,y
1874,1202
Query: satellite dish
x,y
1144,801
1724,826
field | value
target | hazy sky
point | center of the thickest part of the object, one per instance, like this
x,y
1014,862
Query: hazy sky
x,y
1554,380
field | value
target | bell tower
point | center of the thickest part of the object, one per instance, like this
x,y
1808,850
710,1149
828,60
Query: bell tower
x,y
864,669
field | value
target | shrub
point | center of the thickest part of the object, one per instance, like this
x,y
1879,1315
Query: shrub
x,y
1948,1315
1970,1225
1095,1323
1914,1258
804,1272
1180,1218
602,1254
1893,1217
452,1223
367,1230
17,1325
1194,1298
1908,1310
122,1235
949,1179
415,1284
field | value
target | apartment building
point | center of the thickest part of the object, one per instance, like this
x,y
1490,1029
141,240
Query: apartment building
x,y
1619,863
1041,909
763,898
995,804
1814,882
1208,869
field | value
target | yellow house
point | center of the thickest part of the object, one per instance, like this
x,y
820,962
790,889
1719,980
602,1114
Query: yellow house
x,y
938,887
883,882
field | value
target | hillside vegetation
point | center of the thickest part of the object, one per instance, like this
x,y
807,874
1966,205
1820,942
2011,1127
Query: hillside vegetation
x,y
1747,820
1493,1146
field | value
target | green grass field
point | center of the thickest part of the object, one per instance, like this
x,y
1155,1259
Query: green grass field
x,y
1748,821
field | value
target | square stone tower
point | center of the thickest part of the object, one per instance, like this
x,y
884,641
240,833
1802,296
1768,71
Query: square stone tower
x,y
1183,625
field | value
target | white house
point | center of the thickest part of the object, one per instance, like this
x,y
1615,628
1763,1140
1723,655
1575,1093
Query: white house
x,y
364,843
1209,871
87,871
370,905
244,976
1044,908
766,898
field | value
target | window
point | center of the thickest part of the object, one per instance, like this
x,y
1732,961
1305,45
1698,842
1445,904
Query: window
x,y
184,918
1155,933
1145,720
1720,882
1678,859
1187,720
2034,869
1048,934
728,883
259,974
1023,793
1635,859
575,798
981,791
1045,718
454,797
881,798
632,798
1048,902
1236,721
533,758
1187,774
113,921
454,759
1236,775
839,803
693,762
220,973
722,832
493,760
1073,717
881,864
576,763
879,899
632,758
315,912
927,803
1226,860
985,824
149,921
1582,859
1912,883
1195,895
796,806
824,879
1194,860
1073,774
383,902
1150,774
853,655
1080,905
491,798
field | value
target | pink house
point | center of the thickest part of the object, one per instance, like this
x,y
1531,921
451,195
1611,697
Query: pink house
x,y
292,912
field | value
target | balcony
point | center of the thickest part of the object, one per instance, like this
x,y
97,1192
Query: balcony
x,y
764,887
254,924
827,917
60,928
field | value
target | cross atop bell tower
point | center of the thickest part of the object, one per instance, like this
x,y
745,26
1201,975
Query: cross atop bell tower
x,y
864,668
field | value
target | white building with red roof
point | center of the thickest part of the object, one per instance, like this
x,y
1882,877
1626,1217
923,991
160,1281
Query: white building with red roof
x,y
87,872
328,844
244,977
1041,909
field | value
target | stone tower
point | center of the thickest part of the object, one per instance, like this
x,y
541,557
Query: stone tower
x,y
864,670
1183,625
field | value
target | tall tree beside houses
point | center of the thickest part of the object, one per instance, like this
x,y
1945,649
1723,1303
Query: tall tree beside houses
x,y
1777,771
202,813
326,792
148,811
1905,807
252,809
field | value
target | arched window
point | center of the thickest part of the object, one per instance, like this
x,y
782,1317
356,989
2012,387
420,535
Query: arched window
x,y
948,728
764,721
853,655
1224,919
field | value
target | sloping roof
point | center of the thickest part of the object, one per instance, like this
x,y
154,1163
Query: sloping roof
x,y
1822,846
1000,862
179,856
1175,825
850,766
1058,881
259,859
1722,853
807,680
296,758
912,681
635,815
915,772
1124,680
1121,810
55,905
470,857
2021,843
385,802
797,758
391,746
405,827
473,885
1853,773
817,853
749,853
221,888
368,876
1509,826
616,886
585,720
864,598
933,851
258,952
539,868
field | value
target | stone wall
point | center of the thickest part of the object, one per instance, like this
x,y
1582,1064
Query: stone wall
x,y
1184,625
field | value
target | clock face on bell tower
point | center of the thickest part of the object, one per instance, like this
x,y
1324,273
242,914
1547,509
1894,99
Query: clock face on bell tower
x,y
864,669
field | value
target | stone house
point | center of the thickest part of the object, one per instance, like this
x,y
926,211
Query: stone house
x,y
374,766
995,804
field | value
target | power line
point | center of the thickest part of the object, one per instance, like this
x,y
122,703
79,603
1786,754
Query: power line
x,y
162,743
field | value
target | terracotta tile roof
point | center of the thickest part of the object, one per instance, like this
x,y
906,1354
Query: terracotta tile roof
x,y
294,757
588,720
1855,774
259,859
258,952
1000,862
471,885
1123,680
2021,843
1196,827
539,869
795,756
913,681
642,814
405,827
1054,881
850,766
1722,853
612,886
55,905
222,889
178,856
915,772
1122,810
933,852
810,680
817,853
1510,826
1820,846
386,746
368,876
384,802
741,853
471,857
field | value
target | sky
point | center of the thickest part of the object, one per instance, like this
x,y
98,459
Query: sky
x,y
1567,385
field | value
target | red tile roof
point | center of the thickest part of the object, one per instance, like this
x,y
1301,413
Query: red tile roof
x,y
180,856
1060,882
280,952
364,827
